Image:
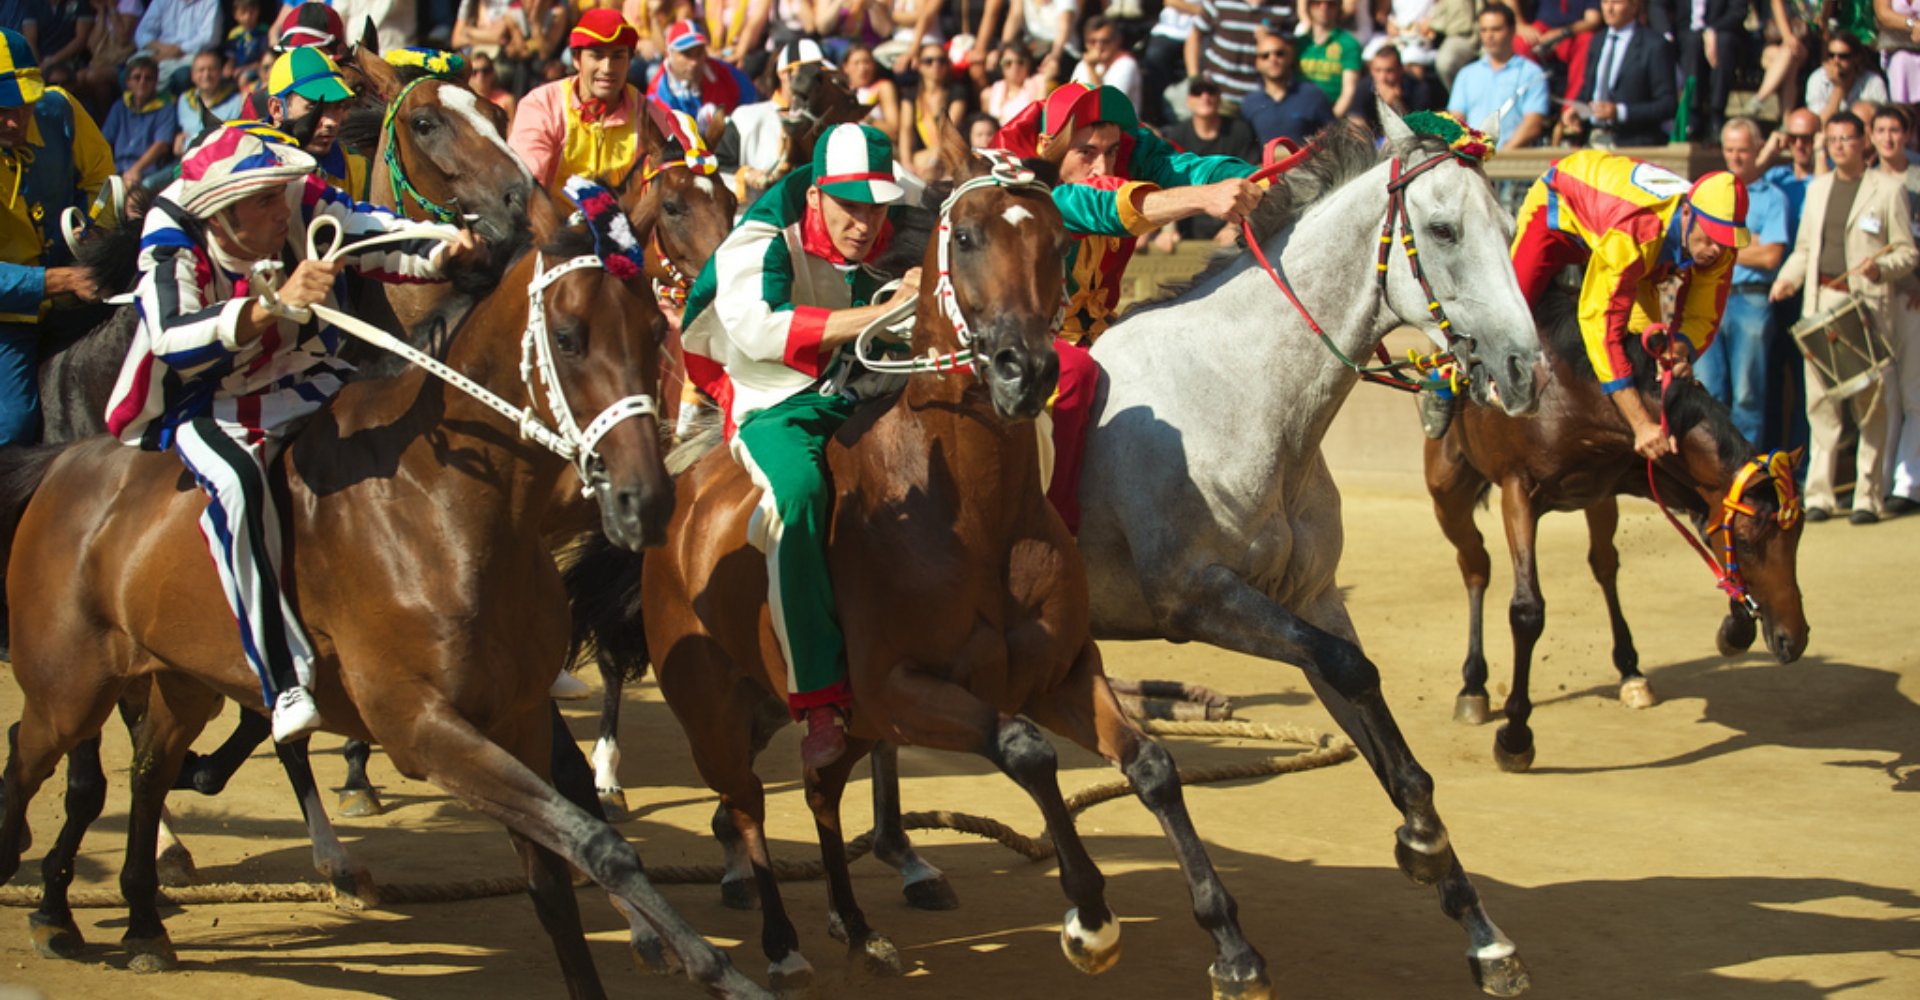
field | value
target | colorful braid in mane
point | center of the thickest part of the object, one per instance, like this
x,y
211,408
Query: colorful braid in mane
x,y
432,62
1465,141
613,239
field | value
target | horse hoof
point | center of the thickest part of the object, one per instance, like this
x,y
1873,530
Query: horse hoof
x,y
1512,761
51,940
1255,987
931,894
355,891
613,802
1500,977
791,975
1637,693
1092,952
739,894
878,957
175,867
1471,710
360,803
1422,867
1736,635
151,955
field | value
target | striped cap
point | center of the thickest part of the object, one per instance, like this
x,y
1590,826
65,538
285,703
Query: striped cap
x,y
311,23
855,163
229,163
1719,203
20,83
798,51
684,35
310,73
602,26
1074,105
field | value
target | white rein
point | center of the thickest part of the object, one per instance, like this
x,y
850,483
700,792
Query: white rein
x,y
567,440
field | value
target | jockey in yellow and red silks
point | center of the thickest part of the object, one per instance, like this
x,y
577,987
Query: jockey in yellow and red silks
x,y
1118,181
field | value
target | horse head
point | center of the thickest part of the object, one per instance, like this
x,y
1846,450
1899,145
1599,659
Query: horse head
x,y
821,99
1463,265
443,153
993,278
1757,518
594,332
679,190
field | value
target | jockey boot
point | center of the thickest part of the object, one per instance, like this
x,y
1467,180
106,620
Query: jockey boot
x,y
826,737
1436,412
294,715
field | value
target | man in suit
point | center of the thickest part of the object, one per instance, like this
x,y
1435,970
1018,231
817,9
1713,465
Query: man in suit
x,y
1855,238
1627,93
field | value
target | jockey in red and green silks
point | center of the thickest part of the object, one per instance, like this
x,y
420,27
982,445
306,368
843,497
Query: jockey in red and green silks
x,y
1118,182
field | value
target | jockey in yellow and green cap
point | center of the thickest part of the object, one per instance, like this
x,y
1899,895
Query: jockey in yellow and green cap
x,y
306,98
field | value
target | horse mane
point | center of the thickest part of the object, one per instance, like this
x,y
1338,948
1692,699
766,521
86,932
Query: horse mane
x,y
1337,154
362,127
112,256
1688,404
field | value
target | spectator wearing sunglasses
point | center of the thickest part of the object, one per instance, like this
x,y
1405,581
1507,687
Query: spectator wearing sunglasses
x,y
1842,79
1285,105
1017,87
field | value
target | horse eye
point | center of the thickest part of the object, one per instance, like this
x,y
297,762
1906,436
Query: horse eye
x,y
964,239
422,123
566,340
674,206
1442,232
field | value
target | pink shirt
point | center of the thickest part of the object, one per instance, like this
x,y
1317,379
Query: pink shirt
x,y
540,126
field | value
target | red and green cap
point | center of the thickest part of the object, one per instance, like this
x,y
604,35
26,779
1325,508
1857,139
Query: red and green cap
x,y
855,163
1076,106
1719,204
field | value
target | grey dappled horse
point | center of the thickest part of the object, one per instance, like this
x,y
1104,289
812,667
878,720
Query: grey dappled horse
x,y
1208,512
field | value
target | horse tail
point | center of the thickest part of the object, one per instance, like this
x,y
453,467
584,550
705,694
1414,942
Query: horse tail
x,y
603,584
22,469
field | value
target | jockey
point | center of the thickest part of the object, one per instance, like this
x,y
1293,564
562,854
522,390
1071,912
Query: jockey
x,y
306,100
1117,181
780,305
587,124
215,376
691,81
52,158
1633,226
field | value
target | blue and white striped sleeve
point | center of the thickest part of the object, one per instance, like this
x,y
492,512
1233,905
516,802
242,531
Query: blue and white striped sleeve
x,y
406,261
183,329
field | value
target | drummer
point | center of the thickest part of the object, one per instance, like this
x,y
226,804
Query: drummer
x,y
1634,226
1856,236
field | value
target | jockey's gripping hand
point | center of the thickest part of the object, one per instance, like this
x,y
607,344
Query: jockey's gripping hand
x,y
310,283
1230,200
466,249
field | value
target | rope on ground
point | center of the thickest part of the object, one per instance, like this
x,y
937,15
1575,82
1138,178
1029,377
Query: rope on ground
x,y
1324,752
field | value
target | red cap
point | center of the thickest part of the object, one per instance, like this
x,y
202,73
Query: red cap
x,y
602,26
311,23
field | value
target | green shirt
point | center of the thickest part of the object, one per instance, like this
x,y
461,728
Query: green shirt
x,y
1323,64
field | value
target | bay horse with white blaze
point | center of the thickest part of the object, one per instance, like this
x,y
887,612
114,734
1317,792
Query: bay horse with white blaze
x,y
442,648
1577,454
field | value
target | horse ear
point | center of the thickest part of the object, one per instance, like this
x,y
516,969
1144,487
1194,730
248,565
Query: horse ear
x,y
1395,130
653,132
1795,457
369,36
1492,128
715,130
384,78
956,157
543,217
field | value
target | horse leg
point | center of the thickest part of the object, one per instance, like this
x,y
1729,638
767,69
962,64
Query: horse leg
x,y
1455,487
737,891
606,749
208,774
177,709
353,885
482,774
845,920
1213,604
1084,709
358,797
1603,519
930,711
925,886
54,933
1527,615
549,879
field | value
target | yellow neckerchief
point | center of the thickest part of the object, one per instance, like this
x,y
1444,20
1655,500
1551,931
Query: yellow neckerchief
x,y
196,102
158,102
17,157
602,150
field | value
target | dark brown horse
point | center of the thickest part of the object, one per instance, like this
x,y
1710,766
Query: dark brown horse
x,y
441,647
961,594
1577,454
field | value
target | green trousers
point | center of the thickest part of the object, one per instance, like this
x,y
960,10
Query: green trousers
x,y
784,449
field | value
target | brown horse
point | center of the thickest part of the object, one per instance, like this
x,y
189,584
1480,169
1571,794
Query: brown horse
x,y
436,611
959,589
1577,454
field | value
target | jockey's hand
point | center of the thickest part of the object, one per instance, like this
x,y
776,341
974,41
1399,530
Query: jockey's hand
x,y
1679,358
909,288
1230,200
310,283
465,249
75,281
1651,442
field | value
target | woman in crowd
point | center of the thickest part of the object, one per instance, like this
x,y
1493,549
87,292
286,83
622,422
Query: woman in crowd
x,y
1017,87
938,94
485,83
874,91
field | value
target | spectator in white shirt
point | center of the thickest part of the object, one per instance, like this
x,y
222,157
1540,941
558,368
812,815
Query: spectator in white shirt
x,y
1107,62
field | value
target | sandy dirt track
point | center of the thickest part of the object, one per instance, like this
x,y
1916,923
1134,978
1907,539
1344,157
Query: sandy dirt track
x,y
1752,836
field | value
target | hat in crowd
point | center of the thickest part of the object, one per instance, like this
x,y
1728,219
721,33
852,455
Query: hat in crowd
x,y
20,83
311,23
1719,203
603,26
684,35
798,51
310,73
855,163
228,164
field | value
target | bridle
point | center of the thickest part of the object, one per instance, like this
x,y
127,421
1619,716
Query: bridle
x,y
1389,373
670,284
1006,172
537,367
403,189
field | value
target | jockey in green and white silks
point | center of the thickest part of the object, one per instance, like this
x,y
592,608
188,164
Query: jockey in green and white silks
x,y
778,307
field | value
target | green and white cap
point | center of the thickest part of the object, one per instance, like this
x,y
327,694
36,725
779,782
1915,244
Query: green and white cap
x,y
855,163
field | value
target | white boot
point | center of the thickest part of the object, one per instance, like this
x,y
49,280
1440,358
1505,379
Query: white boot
x,y
294,714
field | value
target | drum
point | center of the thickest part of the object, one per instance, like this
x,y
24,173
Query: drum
x,y
1842,345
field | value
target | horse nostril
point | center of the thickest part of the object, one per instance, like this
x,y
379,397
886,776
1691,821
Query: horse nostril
x,y
1007,364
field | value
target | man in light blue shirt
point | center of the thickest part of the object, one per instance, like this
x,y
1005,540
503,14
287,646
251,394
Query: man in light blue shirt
x,y
1501,83
1734,366
171,31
